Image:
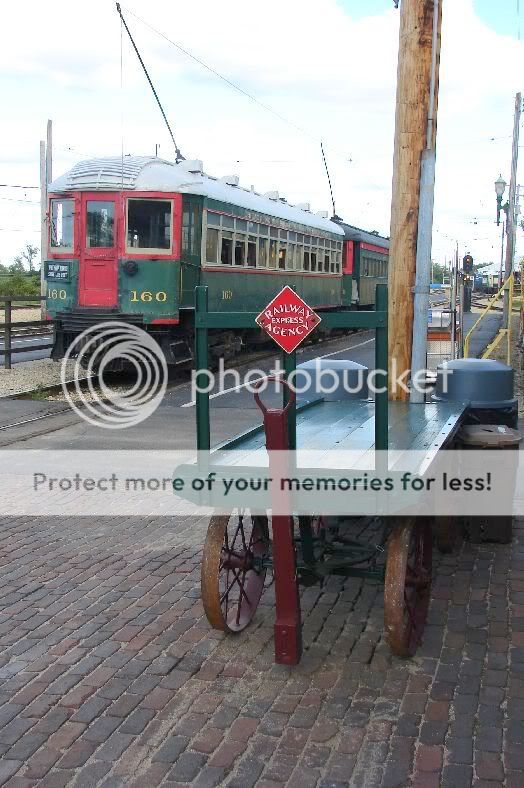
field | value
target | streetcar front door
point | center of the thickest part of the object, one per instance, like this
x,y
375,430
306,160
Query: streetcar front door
x,y
98,274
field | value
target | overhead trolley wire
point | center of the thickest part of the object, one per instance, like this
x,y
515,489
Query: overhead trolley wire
x,y
229,82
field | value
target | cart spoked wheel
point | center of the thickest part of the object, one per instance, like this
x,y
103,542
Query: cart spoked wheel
x,y
233,573
448,532
407,585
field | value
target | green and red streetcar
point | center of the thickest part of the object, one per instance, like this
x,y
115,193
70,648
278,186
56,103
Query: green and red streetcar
x,y
130,239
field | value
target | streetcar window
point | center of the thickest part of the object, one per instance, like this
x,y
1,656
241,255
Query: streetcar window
x,y
262,252
149,225
272,254
240,251
306,261
252,251
211,245
226,251
100,224
62,214
213,219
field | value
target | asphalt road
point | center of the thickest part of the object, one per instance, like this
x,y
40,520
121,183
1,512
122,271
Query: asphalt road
x,y
34,351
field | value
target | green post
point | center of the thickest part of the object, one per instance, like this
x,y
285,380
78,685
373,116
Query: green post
x,y
381,363
290,364
201,368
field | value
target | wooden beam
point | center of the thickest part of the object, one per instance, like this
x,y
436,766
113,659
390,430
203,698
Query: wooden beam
x,y
43,222
411,138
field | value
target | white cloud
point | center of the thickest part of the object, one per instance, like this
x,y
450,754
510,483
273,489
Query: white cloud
x,y
331,75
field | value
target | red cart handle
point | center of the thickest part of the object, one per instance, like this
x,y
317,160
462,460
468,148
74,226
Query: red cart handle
x,y
292,395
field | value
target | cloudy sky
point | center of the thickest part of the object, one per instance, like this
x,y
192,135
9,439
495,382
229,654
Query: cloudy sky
x,y
328,68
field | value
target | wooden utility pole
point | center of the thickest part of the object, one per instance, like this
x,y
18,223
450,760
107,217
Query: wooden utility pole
x,y
49,152
46,176
415,131
43,223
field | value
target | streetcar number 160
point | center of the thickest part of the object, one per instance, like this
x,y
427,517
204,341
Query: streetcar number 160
x,y
147,295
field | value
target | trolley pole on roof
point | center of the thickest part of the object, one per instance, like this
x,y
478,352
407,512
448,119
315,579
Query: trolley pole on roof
x,y
413,185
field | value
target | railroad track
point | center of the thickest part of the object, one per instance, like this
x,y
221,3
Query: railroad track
x,y
183,378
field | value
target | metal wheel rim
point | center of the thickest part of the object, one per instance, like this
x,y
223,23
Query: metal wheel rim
x,y
230,594
407,586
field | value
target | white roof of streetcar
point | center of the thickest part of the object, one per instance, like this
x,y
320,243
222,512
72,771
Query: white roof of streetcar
x,y
149,173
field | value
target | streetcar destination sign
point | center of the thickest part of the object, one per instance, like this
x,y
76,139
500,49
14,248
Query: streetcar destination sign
x,y
288,319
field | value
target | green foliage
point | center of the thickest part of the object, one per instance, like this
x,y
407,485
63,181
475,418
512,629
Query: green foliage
x,y
16,280
27,255
438,273
17,266
17,283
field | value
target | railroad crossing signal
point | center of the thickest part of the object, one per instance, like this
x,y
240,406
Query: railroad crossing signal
x,y
288,319
467,264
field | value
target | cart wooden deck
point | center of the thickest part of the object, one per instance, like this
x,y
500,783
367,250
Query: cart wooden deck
x,y
350,425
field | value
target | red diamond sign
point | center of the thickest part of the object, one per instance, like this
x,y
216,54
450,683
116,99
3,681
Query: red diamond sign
x,y
288,319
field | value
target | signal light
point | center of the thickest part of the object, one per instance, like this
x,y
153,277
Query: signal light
x,y
467,263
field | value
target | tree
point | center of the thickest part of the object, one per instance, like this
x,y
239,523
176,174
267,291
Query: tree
x,y
17,266
28,256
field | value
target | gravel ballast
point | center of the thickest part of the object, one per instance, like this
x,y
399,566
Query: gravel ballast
x,y
32,375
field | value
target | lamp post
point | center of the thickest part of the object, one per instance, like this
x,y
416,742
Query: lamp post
x,y
500,188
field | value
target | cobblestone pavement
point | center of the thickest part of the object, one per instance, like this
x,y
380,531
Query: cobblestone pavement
x,y
110,676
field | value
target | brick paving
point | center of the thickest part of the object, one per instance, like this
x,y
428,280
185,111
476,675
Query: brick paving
x,y
110,675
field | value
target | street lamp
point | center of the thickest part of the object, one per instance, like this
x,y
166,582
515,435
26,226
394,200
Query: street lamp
x,y
500,188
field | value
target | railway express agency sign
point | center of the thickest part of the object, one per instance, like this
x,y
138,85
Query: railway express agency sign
x,y
288,319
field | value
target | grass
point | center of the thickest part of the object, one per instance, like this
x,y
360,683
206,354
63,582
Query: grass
x,y
39,393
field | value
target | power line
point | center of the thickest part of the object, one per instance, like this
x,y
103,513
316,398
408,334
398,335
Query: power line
x,y
228,82
16,186
23,202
